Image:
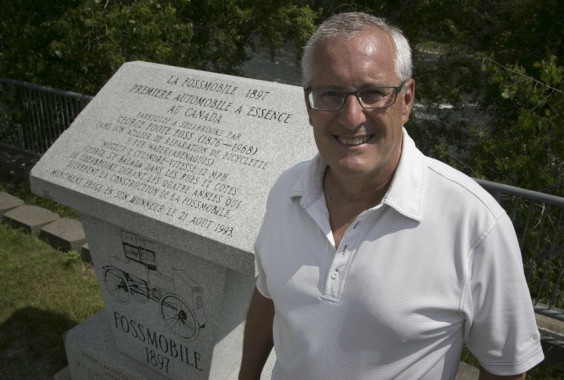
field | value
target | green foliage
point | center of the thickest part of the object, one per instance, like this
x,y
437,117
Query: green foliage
x,y
226,32
513,133
92,39
78,45
500,66
523,144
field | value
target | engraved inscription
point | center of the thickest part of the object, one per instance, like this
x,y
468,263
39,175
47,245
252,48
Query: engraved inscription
x,y
170,158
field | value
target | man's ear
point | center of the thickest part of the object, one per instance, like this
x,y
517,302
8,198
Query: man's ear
x,y
408,99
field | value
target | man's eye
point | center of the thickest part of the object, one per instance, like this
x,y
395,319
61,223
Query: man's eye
x,y
372,94
331,95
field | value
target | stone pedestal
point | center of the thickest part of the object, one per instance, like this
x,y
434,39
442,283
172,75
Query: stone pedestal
x,y
168,308
92,354
170,169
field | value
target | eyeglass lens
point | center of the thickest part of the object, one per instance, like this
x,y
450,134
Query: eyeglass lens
x,y
368,98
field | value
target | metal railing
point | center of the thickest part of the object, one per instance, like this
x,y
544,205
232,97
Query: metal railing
x,y
32,117
539,223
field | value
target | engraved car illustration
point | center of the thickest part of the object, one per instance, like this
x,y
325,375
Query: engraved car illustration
x,y
136,276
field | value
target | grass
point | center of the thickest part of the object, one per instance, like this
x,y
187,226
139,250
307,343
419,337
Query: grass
x,y
43,293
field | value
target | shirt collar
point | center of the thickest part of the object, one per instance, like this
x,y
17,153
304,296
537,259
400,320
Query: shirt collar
x,y
407,191
309,185
405,195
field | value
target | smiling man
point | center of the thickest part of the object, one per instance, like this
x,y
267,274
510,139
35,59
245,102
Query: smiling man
x,y
375,261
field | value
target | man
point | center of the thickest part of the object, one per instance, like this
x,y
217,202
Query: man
x,y
374,261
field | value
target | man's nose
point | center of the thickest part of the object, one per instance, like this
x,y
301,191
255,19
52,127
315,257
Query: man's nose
x,y
352,114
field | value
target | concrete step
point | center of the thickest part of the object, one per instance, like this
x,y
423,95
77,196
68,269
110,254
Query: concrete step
x,y
30,218
64,234
8,202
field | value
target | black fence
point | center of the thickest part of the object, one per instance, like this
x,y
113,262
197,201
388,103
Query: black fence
x,y
32,117
539,222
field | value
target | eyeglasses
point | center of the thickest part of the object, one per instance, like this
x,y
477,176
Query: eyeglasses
x,y
369,98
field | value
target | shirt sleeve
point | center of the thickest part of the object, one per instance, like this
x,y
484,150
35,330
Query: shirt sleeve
x,y
259,270
501,329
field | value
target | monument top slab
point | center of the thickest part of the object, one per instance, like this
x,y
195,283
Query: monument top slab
x,y
180,156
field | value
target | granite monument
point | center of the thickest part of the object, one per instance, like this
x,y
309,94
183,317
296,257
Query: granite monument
x,y
170,169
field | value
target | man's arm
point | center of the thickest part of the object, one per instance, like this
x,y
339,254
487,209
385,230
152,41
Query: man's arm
x,y
485,375
257,342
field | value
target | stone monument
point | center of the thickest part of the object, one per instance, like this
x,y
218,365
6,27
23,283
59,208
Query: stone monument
x,y
170,169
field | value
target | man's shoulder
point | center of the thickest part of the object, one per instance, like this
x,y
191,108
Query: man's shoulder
x,y
457,184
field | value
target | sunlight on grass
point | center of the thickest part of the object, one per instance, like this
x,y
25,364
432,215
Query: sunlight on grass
x,y
43,293
33,274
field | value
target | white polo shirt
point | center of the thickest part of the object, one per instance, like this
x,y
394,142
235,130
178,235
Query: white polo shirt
x,y
436,265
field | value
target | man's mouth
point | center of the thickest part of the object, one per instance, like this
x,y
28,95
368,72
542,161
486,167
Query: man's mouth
x,y
353,140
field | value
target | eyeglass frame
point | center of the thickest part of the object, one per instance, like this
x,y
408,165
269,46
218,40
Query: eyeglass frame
x,y
397,90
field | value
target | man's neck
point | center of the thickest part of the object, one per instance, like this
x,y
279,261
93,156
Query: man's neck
x,y
346,200
355,190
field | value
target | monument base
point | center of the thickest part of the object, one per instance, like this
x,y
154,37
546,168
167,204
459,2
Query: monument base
x,y
92,354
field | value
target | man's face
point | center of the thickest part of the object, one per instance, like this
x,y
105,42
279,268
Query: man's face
x,y
354,142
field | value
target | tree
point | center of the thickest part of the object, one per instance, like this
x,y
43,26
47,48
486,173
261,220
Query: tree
x,y
95,39
518,93
78,44
523,144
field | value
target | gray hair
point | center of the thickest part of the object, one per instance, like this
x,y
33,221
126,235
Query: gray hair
x,y
349,25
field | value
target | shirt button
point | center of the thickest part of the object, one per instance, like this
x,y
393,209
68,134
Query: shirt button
x,y
334,275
